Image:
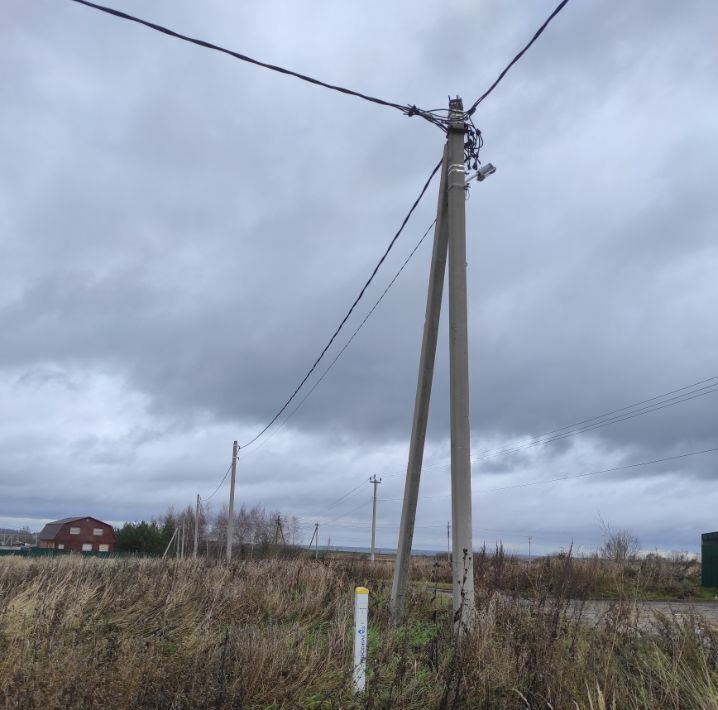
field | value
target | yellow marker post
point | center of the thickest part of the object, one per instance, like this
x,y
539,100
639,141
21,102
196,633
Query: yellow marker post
x,y
361,618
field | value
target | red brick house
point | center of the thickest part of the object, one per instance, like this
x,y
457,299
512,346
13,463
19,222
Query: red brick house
x,y
83,534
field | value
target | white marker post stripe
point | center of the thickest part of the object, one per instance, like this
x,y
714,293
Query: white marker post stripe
x,y
361,617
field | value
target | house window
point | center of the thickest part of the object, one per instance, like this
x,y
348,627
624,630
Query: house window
x,y
60,546
97,531
74,531
87,547
104,548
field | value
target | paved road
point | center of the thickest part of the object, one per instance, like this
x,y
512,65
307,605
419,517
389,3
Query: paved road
x,y
595,611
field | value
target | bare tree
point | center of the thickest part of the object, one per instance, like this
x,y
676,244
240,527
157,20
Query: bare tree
x,y
619,544
257,527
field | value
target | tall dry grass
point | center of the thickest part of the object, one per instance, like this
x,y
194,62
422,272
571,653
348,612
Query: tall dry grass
x,y
85,633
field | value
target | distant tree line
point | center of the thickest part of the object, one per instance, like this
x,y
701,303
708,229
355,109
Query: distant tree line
x,y
255,529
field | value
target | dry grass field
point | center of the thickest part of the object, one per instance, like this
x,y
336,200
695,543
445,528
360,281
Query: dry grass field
x,y
276,633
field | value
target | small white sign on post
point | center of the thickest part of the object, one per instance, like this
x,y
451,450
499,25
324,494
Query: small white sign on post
x,y
361,617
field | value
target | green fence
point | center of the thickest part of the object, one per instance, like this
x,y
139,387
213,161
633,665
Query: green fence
x,y
27,552
709,559
49,552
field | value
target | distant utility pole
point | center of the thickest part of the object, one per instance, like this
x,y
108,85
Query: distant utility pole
x,y
182,545
315,540
449,235
174,534
230,517
375,482
448,540
279,531
196,528
529,546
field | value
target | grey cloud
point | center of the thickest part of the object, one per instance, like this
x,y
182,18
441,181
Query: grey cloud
x,y
196,228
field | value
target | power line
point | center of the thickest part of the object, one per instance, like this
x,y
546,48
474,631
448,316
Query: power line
x,y
346,495
337,517
349,512
442,526
659,401
349,341
598,420
537,34
224,478
632,406
584,475
570,476
671,402
407,110
605,470
351,308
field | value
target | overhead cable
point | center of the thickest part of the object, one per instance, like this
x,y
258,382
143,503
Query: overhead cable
x,y
350,311
349,341
541,482
626,412
407,110
713,380
605,470
224,478
366,318
537,34
346,495
603,421
631,411
349,512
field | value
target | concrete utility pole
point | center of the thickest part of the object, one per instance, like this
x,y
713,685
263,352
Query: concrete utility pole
x,y
463,559
196,528
315,537
174,534
421,402
230,516
375,482
529,546
449,234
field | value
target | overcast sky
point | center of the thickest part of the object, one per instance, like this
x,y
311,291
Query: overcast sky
x,y
180,233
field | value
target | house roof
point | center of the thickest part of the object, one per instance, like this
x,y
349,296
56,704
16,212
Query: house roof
x,y
51,529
